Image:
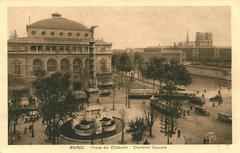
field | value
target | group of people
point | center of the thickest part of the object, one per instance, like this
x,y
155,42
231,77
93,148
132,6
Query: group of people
x,y
186,113
30,128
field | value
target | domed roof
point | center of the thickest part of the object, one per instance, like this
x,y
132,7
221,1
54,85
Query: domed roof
x,y
58,22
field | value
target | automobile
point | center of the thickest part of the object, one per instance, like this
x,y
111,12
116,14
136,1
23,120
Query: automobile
x,y
225,117
216,98
201,110
104,93
197,100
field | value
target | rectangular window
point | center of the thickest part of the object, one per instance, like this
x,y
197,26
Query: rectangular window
x,y
48,48
40,48
85,49
80,49
61,48
17,69
67,48
33,48
74,48
54,48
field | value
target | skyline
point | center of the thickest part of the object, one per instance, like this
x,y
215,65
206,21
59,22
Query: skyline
x,y
141,26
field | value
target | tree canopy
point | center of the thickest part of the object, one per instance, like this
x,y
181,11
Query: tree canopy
x,y
54,93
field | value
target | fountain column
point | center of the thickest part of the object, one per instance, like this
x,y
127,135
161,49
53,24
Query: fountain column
x,y
93,92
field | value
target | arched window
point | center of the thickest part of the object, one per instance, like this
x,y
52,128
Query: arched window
x,y
77,66
65,65
103,65
51,65
37,64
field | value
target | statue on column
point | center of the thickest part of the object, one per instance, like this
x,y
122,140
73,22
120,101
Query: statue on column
x,y
92,30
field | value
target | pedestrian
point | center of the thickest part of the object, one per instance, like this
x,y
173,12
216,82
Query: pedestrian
x,y
204,140
188,113
25,130
178,133
191,107
203,95
143,103
221,100
30,128
213,105
184,113
204,91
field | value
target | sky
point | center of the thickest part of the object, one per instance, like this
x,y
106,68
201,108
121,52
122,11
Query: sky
x,y
136,27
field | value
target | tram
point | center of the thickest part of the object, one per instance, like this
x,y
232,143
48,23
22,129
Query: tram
x,y
179,94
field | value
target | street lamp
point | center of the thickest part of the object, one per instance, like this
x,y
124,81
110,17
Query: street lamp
x,y
93,132
122,112
123,124
32,120
114,88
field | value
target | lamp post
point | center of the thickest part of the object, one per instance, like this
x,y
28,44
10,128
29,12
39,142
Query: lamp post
x,y
114,88
32,128
122,112
32,120
123,124
93,131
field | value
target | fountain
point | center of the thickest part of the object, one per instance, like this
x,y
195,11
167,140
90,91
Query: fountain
x,y
91,122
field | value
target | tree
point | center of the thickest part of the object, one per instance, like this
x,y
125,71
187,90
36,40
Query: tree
x,y
137,129
138,62
125,65
16,90
52,91
176,75
150,120
155,70
115,61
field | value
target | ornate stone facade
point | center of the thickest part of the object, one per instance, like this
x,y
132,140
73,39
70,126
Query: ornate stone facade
x,y
58,45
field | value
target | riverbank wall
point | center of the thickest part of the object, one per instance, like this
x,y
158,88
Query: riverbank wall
x,y
211,72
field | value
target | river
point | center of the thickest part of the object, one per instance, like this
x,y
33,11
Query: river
x,y
200,83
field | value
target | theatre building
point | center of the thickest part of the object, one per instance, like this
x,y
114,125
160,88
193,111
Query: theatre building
x,y
60,45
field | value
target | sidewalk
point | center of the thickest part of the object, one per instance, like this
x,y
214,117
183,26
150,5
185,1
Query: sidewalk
x,y
39,136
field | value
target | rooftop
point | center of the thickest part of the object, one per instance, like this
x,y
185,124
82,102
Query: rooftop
x,y
58,22
38,40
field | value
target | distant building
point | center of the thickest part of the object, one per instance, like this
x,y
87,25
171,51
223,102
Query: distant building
x,y
202,49
214,54
166,53
203,39
61,45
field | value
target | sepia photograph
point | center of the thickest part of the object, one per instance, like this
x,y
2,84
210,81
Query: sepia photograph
x,y
142,75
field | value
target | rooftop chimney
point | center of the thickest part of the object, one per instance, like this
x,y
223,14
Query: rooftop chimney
x,y
56,15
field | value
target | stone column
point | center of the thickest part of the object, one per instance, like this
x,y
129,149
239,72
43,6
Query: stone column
x,y
93,91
